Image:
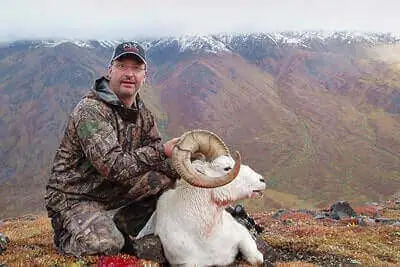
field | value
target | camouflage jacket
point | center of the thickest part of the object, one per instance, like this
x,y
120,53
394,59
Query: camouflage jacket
x,y
105,146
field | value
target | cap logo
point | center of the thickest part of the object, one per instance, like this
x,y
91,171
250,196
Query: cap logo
x,y
129,47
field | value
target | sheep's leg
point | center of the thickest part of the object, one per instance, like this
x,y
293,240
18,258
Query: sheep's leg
x,y
248,248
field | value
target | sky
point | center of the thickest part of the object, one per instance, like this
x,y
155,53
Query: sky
x,y
124,19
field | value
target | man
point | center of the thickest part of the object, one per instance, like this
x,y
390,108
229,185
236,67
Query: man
x,y
111,165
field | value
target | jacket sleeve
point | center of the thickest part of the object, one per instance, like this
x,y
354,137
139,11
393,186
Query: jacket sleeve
x,y
99,142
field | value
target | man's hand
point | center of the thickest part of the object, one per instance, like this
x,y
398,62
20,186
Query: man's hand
x,y
169,146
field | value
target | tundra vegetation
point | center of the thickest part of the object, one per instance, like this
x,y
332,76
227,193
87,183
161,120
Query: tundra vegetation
x,y
299,237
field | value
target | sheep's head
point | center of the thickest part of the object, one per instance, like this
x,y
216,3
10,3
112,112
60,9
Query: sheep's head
x,y
247,184
218,169
212,147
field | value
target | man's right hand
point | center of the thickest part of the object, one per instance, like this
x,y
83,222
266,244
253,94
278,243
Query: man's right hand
x,y
169,146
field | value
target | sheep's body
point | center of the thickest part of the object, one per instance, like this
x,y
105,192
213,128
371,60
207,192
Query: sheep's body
x,y
193,225
203,236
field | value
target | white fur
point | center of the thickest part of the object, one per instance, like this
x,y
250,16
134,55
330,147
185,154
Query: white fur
x,y
193,225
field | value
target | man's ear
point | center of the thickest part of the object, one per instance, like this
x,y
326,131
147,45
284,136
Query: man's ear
x,y
145,77
109,70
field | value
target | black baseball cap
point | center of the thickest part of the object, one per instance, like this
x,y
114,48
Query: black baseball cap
x,y
129,48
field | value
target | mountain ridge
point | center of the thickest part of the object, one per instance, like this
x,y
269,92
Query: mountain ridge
x,y
221,42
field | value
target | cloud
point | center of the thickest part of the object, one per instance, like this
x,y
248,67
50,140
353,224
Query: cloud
x,y
99,19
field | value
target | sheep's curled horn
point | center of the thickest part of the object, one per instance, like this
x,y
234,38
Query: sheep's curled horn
x,y
211,146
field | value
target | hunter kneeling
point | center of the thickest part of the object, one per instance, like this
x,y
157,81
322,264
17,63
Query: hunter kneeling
x,y
111,166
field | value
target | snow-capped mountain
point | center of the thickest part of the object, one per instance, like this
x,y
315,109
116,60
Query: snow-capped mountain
x,y
215,43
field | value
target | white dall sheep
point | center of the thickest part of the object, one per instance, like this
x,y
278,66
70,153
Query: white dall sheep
x,y
191,220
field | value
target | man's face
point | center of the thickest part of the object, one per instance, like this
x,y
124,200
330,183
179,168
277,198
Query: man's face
x,y
127,74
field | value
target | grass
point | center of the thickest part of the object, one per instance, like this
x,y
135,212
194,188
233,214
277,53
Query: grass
x,y
294,233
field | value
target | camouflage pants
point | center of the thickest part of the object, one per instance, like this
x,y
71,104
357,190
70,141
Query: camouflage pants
x,y
89,228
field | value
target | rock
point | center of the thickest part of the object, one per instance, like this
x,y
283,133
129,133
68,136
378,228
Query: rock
x,y
387,221
278,214
335,215
341,209
365,221
306,211
3,243
320,216
149,247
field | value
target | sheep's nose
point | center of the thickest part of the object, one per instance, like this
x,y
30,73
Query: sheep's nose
x,y
262,180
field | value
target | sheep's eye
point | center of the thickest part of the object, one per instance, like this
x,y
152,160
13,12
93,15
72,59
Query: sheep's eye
x,y
227,168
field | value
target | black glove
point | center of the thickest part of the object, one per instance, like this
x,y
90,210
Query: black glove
x,y
238,212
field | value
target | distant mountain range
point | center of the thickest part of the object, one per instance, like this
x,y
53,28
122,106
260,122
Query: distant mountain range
x,y
227,42
317,113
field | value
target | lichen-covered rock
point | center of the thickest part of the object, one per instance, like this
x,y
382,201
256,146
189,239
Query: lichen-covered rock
x,y
341,209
